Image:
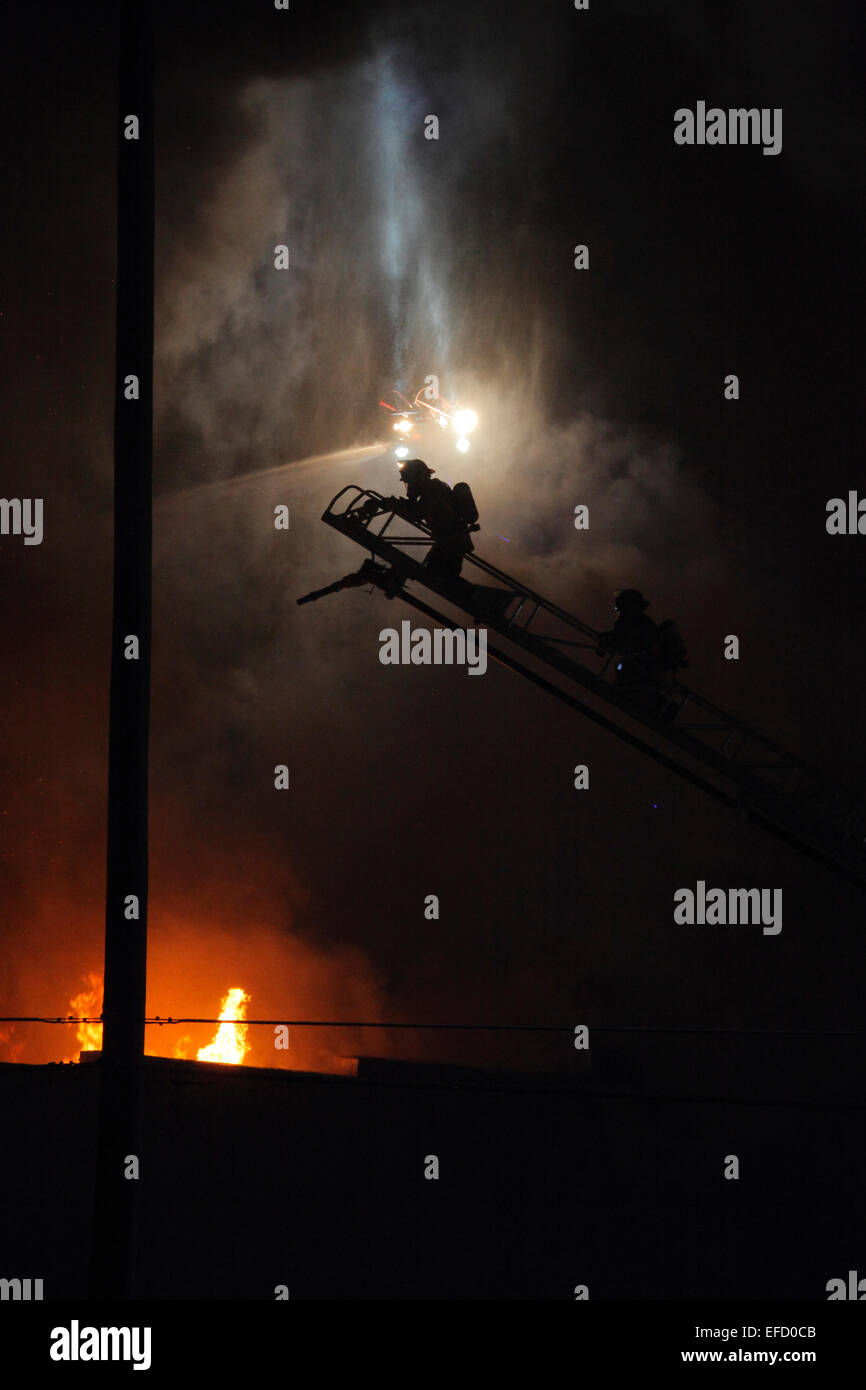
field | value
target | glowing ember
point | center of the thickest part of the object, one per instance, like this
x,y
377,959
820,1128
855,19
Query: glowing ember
x,y
87,1004
230,1044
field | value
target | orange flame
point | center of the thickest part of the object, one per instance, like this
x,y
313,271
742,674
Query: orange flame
x,y
230,1040
86,1004
230,1044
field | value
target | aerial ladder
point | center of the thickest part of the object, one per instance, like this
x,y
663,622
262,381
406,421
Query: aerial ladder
x,y
558,652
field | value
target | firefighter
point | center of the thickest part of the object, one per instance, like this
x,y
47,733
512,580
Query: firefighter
x,y
650,656
635,639
439,507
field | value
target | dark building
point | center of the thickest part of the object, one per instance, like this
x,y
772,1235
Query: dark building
x,y
615,1179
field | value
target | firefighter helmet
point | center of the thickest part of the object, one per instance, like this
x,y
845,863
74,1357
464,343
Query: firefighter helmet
x,y
630,598
414,471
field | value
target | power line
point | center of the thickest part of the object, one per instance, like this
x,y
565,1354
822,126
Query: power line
x,y
157,1021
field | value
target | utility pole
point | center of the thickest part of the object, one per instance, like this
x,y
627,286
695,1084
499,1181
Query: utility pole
x,y
120,1162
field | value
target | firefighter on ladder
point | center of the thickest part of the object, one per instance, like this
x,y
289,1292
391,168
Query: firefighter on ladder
x,y
449,513
649,654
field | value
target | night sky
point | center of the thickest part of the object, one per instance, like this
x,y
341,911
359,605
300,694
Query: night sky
x,y
602,387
